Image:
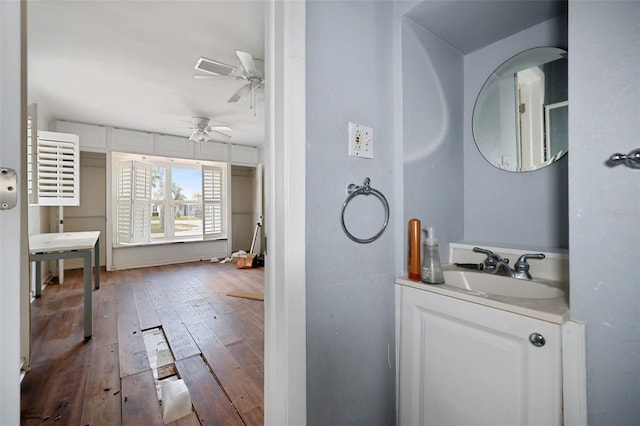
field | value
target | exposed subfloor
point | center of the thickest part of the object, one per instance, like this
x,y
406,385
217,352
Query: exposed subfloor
x,y
217,342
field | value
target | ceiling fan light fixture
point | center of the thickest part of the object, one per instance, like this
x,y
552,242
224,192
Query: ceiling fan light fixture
x,y
199,135
213,67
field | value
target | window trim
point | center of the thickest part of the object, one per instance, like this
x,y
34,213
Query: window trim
x,y
168,163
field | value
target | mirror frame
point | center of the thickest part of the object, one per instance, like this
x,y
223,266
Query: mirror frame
x,y
516,63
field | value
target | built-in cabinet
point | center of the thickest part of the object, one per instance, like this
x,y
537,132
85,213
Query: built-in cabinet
x,y
462,363
173,146
213,151
131,141
92,138
242,154
95,138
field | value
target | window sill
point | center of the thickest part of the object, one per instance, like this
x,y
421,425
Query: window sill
x,y
167,242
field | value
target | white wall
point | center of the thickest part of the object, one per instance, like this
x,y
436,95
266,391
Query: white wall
x,y
350,289
432,73
166,254
604,93
504,207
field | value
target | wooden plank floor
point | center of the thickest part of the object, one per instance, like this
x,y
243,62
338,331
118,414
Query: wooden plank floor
x,y
217,341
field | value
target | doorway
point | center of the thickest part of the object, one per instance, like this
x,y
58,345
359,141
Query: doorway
x,y
246,208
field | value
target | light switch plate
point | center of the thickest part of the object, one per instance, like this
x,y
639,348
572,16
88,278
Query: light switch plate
x,y
360,141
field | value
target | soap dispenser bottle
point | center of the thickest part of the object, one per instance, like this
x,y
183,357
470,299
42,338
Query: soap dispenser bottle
x,y
431,267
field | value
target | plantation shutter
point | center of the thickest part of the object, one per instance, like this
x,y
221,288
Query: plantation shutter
x,y
53,169
133,202
212,197
32,161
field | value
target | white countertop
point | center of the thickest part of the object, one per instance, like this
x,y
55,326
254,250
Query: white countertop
x,y
62,241
554,310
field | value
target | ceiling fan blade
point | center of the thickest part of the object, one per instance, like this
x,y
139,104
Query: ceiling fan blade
x,y
213,67
204,76
221,128
247,63
243,93
214,77
221,133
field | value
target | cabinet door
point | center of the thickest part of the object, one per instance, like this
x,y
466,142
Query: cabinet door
x,y
131,141
466,364
92,138
174,146
244,154
215,151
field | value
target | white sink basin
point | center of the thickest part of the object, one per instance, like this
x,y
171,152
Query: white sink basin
x,y
484,284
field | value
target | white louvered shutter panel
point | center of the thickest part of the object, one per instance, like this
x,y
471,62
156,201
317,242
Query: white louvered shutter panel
x,y
32,161
57,175
212,196
134,202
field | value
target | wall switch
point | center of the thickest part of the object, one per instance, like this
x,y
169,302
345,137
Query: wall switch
x,y
360,141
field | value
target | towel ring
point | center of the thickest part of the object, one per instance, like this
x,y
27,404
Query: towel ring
x,y
354,190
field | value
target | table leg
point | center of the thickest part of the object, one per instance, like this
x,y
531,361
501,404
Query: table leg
x,y
88,295
96,271
38,278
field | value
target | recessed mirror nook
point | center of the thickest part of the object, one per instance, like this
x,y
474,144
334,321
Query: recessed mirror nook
x,y
452,56
446,60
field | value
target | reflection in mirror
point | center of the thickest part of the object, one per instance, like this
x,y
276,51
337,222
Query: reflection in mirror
x,y
520,116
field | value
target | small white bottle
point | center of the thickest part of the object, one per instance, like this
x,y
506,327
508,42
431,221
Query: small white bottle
x,y
431,268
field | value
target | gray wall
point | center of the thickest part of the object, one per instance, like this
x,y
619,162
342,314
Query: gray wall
x,y
604,117
432,101
504,207
351,365
350,286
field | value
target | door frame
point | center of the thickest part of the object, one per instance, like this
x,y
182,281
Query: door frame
x,y
285,158
14,289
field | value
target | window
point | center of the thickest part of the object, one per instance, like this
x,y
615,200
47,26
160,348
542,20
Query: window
x,y
162,199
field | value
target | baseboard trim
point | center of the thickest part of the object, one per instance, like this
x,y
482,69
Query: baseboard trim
x,y
574,374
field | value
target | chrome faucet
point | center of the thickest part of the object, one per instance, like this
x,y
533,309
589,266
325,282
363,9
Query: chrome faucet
x,y
491,261
495,264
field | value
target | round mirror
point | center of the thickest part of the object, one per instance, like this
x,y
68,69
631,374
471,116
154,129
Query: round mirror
x,y
520,116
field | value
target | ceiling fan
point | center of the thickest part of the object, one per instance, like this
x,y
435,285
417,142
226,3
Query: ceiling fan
x,y
251,70
202,129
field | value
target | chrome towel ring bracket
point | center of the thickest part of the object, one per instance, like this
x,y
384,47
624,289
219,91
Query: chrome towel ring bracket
x,y
355,190
631,160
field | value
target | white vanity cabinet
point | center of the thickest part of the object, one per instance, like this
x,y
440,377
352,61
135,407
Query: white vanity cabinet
x,y
462,363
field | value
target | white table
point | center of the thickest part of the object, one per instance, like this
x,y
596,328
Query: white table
x,y
65,245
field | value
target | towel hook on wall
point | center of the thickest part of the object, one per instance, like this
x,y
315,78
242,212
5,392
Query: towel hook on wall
x,y
631,160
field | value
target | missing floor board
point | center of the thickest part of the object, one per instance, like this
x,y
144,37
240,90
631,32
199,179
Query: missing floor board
x,y
171,390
